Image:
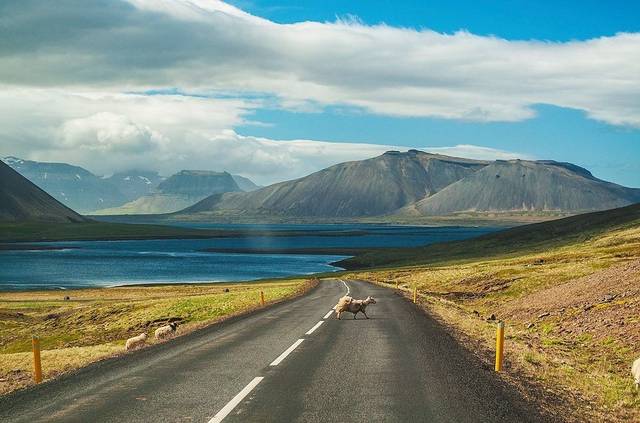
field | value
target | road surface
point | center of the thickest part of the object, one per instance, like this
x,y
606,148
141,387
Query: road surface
x,y
288,363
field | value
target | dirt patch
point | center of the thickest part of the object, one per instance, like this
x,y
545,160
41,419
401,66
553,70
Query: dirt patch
x,y
603,304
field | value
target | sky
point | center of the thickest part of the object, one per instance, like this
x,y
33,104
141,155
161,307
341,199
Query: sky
x,y
274,90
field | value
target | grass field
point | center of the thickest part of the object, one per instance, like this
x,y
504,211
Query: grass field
x,y
94,323
571,304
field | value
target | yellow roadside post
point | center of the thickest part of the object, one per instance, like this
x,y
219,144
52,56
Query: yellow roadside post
x,y
396,284
415,294
261,297
37,365
499,346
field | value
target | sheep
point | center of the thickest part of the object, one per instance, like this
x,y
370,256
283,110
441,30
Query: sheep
x,y
635,371
354,306
135,342
166,331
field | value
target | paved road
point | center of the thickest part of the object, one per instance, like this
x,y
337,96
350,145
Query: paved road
x,y
398,366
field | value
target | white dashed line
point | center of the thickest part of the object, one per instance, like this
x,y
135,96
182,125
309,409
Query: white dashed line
x,y
316,326
326,316
286,353
235,401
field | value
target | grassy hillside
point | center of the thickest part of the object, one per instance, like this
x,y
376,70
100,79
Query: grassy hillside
x,y
532,238
94,323
568,292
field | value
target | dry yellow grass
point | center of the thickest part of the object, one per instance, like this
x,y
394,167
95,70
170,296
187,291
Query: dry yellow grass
x,y
580,353
94,323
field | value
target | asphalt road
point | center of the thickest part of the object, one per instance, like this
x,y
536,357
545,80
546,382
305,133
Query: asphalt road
x,y
398,366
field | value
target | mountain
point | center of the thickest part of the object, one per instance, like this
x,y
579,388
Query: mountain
x,y
73,186
518,185
181,190
134,184
21,200
245,184
369,187
415,183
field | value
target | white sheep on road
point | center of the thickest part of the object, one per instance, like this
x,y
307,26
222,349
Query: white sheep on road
x,y
135,342
166,331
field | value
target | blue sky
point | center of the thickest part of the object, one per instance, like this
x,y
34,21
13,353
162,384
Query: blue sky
x,y
610,152
275,90
512,19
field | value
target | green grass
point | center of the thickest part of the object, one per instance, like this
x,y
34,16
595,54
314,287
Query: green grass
x,y
95,323
513,242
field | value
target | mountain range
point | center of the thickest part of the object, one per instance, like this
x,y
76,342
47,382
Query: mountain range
x,y
181,190
415,183
136,190
22,200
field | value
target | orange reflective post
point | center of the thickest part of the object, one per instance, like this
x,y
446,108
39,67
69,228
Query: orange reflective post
x,y
261,297
499,346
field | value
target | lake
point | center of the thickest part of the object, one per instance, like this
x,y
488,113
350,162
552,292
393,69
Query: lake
x,y
79,264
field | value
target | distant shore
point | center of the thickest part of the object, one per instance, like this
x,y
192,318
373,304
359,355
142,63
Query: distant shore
x,y
14,232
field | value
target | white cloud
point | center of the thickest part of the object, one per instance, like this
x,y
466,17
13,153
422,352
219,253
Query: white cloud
x,y
69,69
210,45
107,133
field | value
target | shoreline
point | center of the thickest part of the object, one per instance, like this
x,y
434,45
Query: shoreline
x,y
180,284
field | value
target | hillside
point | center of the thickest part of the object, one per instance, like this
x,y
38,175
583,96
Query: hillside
x,y
21,200
180,190
517,185
363,188
532,238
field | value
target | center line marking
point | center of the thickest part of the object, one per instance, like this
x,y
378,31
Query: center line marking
x,y
326,316
316,326
235,401
346,286
286,353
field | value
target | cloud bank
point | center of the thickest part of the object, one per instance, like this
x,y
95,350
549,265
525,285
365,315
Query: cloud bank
x,y
68,70
210,45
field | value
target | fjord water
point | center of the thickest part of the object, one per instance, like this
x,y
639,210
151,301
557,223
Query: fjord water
x,y
80,264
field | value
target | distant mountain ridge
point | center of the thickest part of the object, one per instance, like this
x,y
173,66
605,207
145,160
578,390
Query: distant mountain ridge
x,y
73,186
86,192
416,183
518,185
181,190
21,200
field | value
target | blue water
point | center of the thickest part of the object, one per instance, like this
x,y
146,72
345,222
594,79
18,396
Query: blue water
x,y
108,263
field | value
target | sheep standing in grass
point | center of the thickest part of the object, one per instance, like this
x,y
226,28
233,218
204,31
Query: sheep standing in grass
x,y
166,331
635,371
135,342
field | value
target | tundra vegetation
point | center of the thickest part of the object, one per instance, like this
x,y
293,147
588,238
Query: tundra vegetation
x,y
570,303
93,324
